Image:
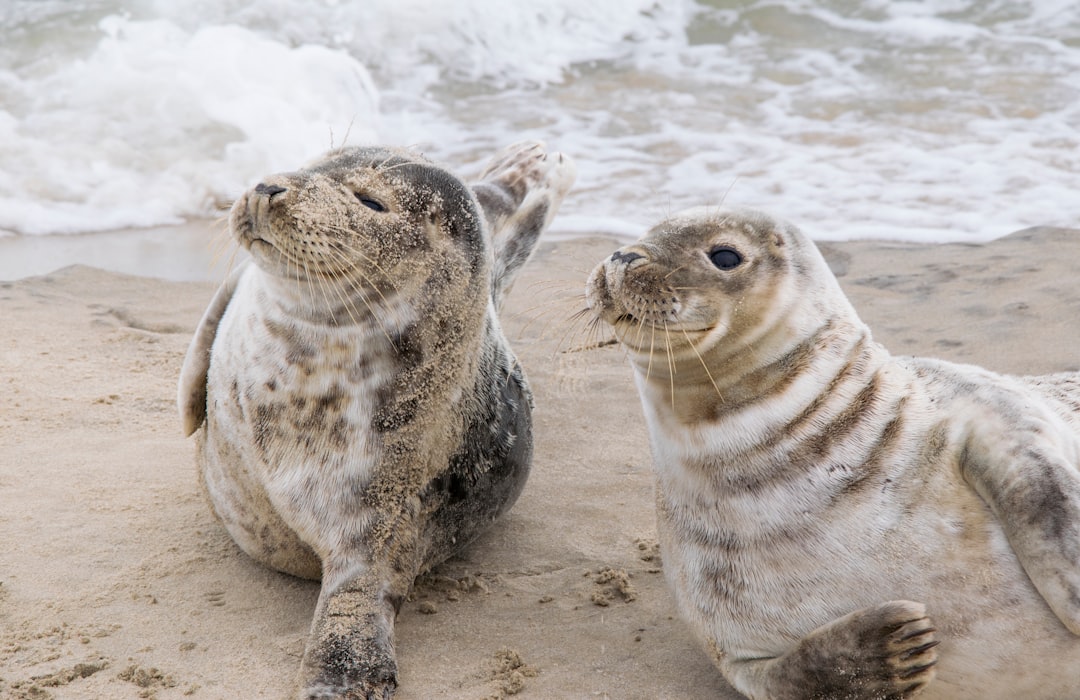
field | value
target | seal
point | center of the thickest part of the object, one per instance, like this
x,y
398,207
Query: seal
x,y
359,414
837,522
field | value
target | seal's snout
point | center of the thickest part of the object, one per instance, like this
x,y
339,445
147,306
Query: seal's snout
x,y
268,190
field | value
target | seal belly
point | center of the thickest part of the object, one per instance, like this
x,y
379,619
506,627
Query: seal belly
x,y
283,427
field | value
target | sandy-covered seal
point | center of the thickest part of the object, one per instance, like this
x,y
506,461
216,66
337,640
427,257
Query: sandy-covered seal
x,y
364,415
836,522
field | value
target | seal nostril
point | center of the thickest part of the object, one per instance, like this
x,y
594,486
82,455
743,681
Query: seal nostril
x,y
268,190
627,258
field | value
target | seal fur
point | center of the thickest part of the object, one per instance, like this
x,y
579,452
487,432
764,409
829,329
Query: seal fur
x,y
837,522
359,414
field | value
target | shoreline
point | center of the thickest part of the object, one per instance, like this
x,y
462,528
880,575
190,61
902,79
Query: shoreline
x,y
195,251
199,250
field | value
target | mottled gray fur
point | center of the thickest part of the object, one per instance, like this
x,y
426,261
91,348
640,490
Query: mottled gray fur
x,y
359,414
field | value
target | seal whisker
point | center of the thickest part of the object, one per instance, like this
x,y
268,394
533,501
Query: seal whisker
x,y
704,364
289,264
594,328
354,268
390,168
673,271
315,283
345,138
652,345
671,364
545,307
232,250
583,321
640,331
331,284
354,250
597,333
222,242
571,332
555,286
350,307
552,319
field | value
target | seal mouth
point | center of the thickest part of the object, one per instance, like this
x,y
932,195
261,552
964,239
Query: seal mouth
x,y
265,252
628,322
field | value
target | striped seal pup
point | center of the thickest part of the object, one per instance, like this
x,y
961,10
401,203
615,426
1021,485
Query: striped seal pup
x,y
363,415
837,522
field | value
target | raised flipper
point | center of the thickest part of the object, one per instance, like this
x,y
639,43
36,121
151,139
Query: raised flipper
x,y
887,652
1027,471
520,191
191,389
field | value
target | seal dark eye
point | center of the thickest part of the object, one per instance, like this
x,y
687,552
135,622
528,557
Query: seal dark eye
x,y
370,203
725,258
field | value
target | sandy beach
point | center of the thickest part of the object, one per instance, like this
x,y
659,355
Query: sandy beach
x,y
117,582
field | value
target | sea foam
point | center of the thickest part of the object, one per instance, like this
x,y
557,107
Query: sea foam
x,y
928,121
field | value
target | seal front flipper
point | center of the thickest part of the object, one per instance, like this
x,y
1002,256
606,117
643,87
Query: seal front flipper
x,y
520,191
350,649
191,389
884,652
1032,485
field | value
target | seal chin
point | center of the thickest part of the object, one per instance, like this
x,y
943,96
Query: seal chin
x,y
273,260
261,248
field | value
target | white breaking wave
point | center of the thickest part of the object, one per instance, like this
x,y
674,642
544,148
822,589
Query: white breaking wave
x,y
931,121
158,123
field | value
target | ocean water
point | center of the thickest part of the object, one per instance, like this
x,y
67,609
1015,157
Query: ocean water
x,y
931,121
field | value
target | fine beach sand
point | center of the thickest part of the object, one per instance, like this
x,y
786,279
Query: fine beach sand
x,y
116,581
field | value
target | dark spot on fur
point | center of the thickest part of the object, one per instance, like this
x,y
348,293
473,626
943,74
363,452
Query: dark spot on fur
x,y
1045,500
264,427
321,410
297,349
398,402
410,349
724,579
339,433
360,372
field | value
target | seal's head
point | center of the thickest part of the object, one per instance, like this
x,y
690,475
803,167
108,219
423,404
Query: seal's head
x,y
365,220
706,278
